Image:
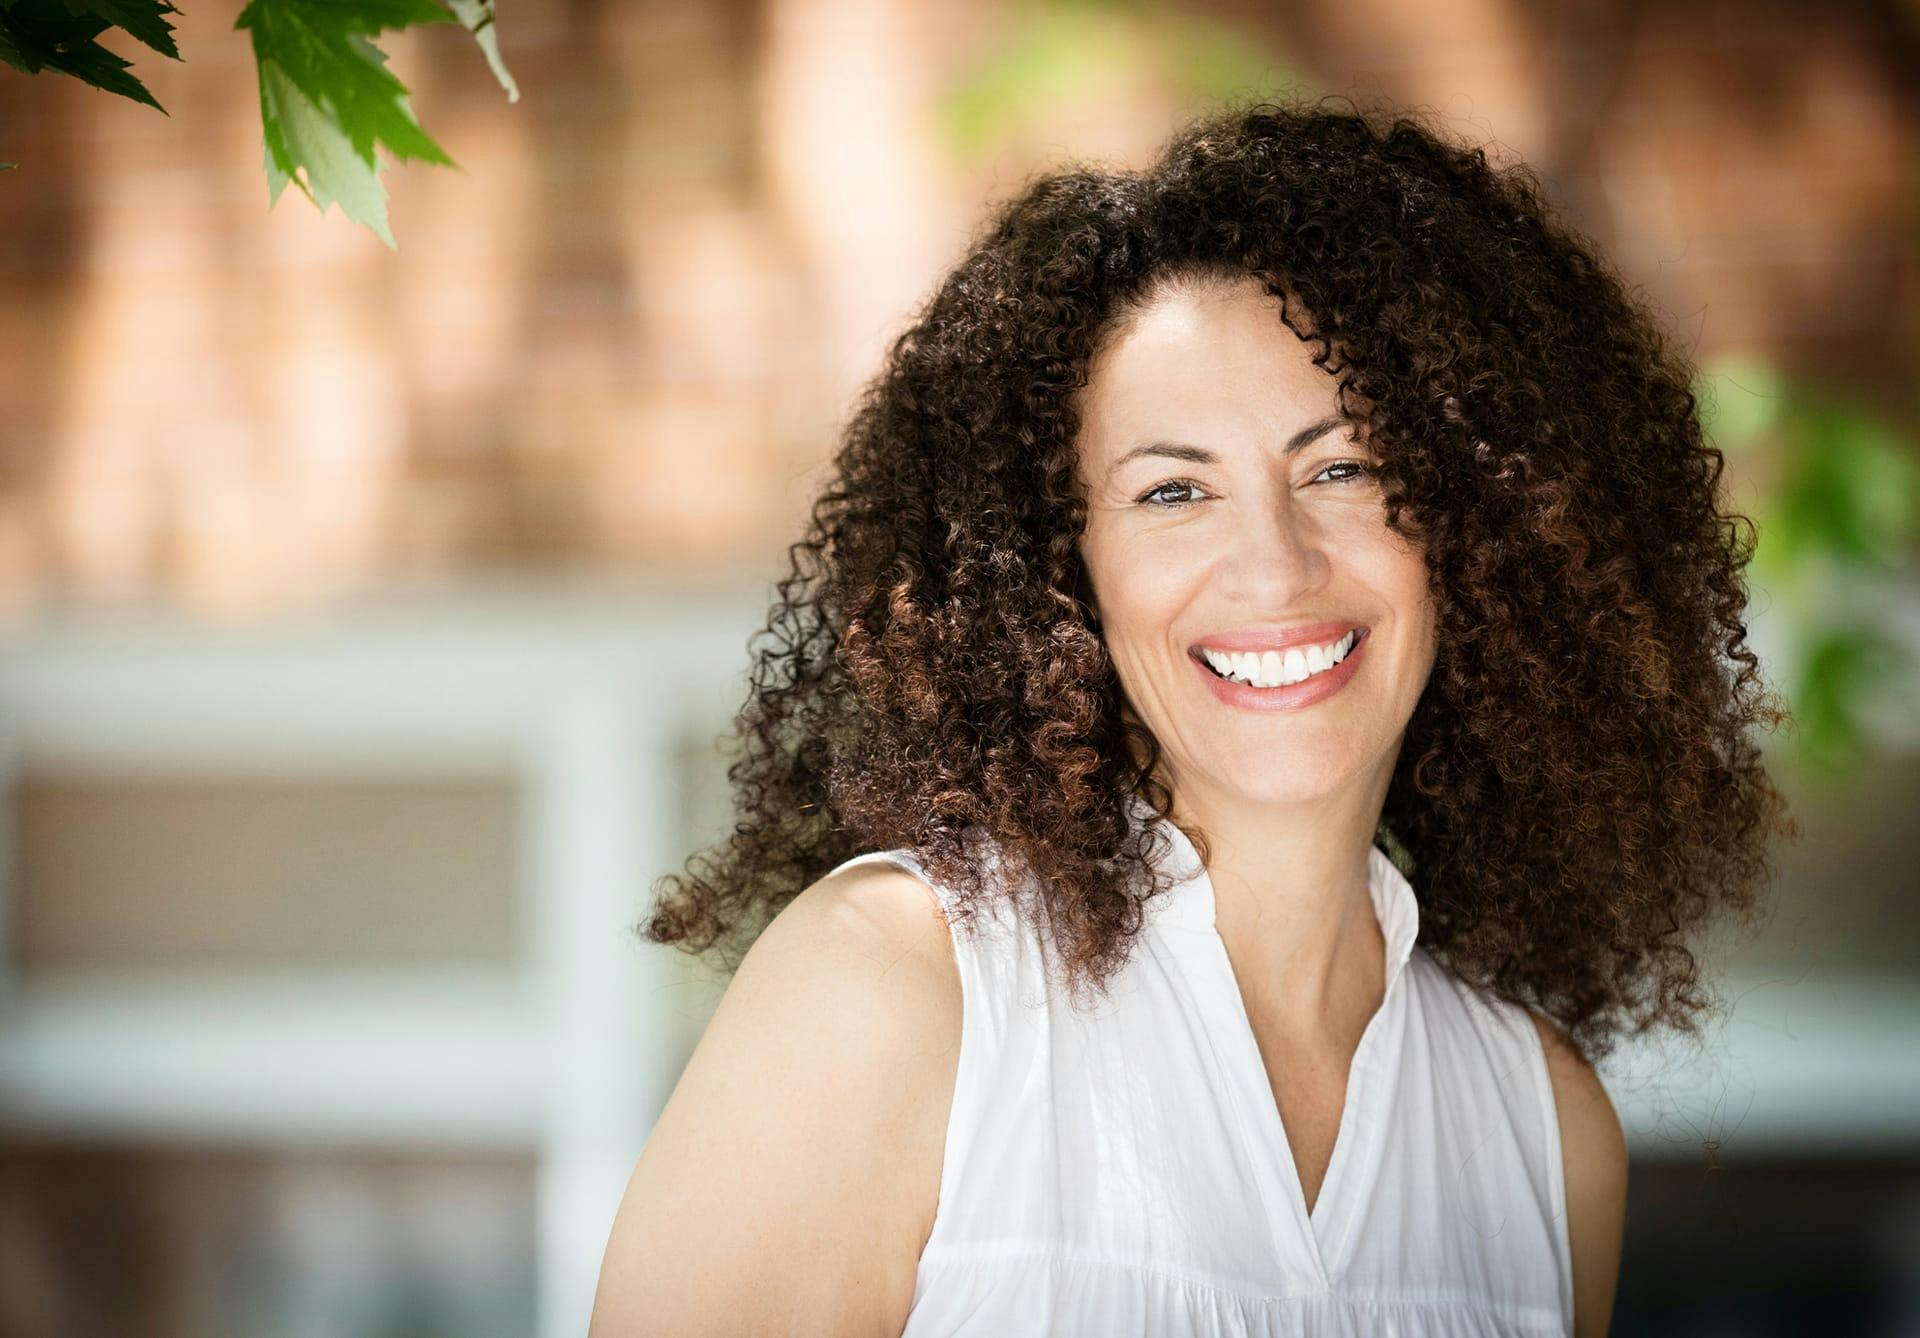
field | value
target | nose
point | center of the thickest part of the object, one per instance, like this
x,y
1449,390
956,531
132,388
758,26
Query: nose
x,y
1279,555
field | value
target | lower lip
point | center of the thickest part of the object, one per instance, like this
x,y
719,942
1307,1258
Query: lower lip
x,y
1291,698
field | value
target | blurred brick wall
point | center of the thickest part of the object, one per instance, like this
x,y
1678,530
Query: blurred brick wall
x,y
622,338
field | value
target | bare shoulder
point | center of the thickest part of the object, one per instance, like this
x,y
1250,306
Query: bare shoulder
x,y
790,1182
1593,1150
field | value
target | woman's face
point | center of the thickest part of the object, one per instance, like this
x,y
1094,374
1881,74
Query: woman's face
x,y
1230,509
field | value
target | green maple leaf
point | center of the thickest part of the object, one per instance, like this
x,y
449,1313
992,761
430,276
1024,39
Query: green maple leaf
x,y
476,16
327,98
142,20
60,35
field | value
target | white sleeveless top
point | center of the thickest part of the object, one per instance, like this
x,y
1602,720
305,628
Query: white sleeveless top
x,y
1120,1168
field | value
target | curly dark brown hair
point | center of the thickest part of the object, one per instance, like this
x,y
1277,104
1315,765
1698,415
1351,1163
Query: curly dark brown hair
x,y
1577,794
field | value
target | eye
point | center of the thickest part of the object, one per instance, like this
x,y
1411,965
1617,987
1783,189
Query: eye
x,y
1187,484
1360,469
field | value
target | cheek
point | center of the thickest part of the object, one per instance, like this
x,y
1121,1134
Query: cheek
x,y
1413,599
1396,571
1134,584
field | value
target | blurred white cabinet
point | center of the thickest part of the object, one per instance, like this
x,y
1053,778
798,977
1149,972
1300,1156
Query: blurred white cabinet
x,y
589,700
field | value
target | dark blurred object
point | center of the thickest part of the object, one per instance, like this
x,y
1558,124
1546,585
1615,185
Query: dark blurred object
x,y
181,1241
1772,1249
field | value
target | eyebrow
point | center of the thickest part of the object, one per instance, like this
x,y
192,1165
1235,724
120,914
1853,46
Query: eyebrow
x,y
1200,455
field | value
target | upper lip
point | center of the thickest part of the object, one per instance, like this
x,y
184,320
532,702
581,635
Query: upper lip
x,y
1277,638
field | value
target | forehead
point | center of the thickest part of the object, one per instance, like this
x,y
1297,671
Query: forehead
x,y
1213,356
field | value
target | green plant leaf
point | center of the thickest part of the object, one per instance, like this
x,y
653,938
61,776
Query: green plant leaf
x,y
302,134
142,20
60,35
327,99
476,16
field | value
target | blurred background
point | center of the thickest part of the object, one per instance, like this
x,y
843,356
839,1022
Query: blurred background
x,y
370,620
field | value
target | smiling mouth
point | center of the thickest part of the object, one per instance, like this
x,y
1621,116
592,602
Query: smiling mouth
x,y
1276,670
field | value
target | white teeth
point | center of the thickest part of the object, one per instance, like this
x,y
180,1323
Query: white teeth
x,y
1273,669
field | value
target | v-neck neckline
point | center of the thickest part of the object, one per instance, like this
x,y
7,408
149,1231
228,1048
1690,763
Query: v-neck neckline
x,y
1190,906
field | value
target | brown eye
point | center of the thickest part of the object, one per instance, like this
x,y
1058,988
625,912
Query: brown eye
x,y
1359,470
1173,505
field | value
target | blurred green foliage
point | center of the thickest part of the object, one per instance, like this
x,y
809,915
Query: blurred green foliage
x,y
1061,51
1836,515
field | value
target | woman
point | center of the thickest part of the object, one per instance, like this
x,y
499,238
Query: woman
x,y
1309,490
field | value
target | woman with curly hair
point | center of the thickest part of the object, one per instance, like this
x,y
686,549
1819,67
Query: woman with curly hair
x,y
1262,706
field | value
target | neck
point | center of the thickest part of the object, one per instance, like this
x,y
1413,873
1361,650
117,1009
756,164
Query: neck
x,y
1292,901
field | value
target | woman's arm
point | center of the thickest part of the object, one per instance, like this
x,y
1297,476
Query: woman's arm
x,y
1594,1152
791,1181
